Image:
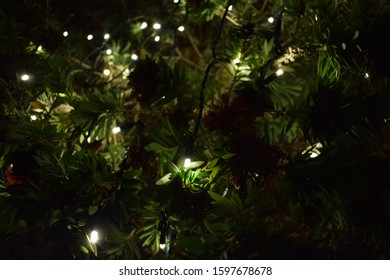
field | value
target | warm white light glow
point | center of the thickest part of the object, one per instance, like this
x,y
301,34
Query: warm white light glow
x,y
271,19
157,38
187,163
134,56
181,28
25,77
108,51
116,130
156,26
127,71
90,37
66,33
366,75
175,1
106,36
89,139
39,48
94,236
230,7
106,72
279,72
144,25
162,246
315,17
33,117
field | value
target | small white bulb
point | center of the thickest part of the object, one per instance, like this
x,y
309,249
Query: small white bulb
x,y
89,140
94,236
175,1
279,72
162,246
144,25
230,7
89,37
33,117
366,75
108,51
156,26
116,130
181,28
65,34
271,19
157,38
106,72
106,36
313,154
187,163
134,56
25,77
39,48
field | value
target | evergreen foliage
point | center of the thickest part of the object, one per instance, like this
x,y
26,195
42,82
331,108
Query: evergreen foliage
x,y
284,165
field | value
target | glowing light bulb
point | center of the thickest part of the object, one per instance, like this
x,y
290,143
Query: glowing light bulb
x,y
108,51
162,246
187,163
313,154
65,34
279,72
181,28
106,36
175,1
33,117
366,75
156,26
25,77
39,48
271,19
134,56
89,37
230,7
94,236
127,71
116,130
106,72
157,38
144,25
89,140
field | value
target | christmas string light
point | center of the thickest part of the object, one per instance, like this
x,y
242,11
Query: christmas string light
x,y
94,236
187,163
144,25
181,28
106,72
89,37
279,72
106,36
116,130
134,57
108,51
156,26
25,77
33,117
271,20
65,34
